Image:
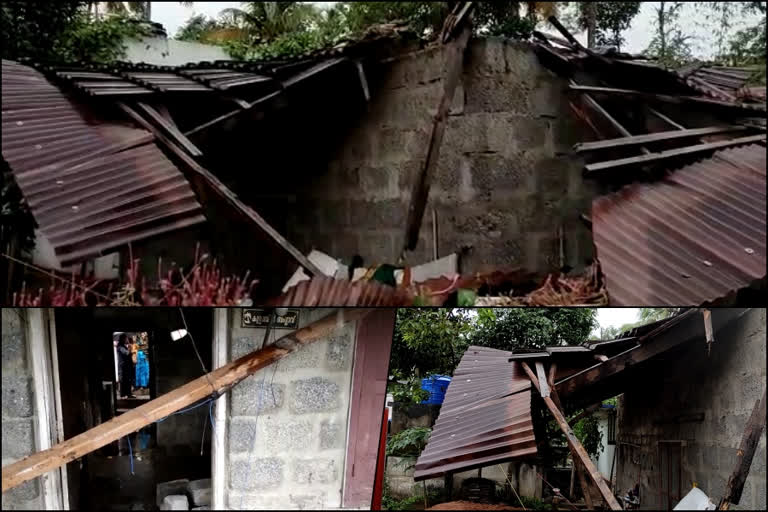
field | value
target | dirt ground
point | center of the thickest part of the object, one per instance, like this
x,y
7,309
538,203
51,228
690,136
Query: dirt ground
x,y
470,505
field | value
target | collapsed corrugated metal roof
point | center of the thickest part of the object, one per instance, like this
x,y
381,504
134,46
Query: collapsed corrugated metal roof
x,y
87,195
691,238
485,418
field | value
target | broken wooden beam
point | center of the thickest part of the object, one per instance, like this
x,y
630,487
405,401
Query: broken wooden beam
x,y
635,140
583,414
543,386
745,453
171,129
213,183
666,119
672,153
577,449
209,385
422,182
667,98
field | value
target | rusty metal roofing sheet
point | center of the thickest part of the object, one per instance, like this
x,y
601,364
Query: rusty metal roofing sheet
x,y
86,196
485,418
688,239
323,290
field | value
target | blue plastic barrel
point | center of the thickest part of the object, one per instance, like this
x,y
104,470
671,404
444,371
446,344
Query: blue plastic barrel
x,y
436,385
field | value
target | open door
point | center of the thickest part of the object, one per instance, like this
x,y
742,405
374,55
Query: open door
x,y
369,390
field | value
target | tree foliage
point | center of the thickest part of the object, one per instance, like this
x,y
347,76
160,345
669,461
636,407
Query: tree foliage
x,y
433,340
670,45
507,329
63,31
613,18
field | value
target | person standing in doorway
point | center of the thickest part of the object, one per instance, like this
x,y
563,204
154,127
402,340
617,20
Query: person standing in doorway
x,y
125,366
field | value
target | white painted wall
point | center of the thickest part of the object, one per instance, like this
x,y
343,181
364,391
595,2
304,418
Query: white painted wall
x,y
163,51
605,458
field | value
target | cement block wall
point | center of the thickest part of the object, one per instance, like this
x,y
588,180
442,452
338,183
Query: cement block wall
x,y
724,386
18,410
287,424
506,179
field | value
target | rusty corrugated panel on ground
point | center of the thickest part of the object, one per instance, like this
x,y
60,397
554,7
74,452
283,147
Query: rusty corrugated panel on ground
x,y
324,291
485,418
691,238
87,197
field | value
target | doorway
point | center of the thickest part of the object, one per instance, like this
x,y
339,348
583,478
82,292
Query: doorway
x,y
125,474
670,474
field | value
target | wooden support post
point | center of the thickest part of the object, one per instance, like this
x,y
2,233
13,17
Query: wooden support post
x,y
573,480
708,328
745,453
210,384
584,484
543,386
420,195
224,192
577,449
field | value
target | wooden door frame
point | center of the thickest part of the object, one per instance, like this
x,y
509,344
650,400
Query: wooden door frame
x,y
219,447
49,427
352,420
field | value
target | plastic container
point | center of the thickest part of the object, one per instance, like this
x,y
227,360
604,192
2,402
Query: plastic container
x,y
436,385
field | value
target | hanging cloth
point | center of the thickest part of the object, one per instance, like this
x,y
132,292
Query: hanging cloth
x,y
142,370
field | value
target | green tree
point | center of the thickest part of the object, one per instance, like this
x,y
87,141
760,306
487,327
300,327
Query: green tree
x,y
613,18
507,329
670,46
648,315
198,28
62,32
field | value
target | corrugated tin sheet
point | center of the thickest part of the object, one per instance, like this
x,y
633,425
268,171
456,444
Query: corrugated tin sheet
x,y
322,291
86,197
717,82
485,418
690,238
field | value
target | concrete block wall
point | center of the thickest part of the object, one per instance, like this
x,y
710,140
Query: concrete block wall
x,y
724,386
18,410
287,424
506,179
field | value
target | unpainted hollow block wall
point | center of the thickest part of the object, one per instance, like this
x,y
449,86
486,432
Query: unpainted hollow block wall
x,y
724,386
506,180
287,424
18,410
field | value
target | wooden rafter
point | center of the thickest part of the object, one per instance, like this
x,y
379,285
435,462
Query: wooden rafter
x,y
209,385
672,153
636,140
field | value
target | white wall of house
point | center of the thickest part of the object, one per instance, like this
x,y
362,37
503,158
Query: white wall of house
x,y
605,458
162,51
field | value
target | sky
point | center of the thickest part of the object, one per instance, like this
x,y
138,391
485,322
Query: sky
x,y
172,15
615,317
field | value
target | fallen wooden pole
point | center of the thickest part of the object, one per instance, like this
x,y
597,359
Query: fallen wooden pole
x,y
220,189
422,182
210,384
577,449
746,452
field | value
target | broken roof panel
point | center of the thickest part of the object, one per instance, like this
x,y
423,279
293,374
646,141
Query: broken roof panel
x,y
485,418
691,238
87,195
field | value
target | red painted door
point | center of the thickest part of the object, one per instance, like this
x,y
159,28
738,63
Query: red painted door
x,y
369,391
